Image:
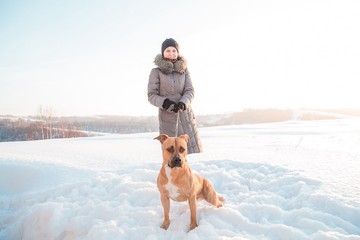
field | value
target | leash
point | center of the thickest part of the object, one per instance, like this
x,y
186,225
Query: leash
x,y
177,124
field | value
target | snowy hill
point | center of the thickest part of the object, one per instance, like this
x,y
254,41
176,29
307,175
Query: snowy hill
x,y
286,180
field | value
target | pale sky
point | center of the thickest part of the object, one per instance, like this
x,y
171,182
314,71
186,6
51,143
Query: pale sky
x,y
94,57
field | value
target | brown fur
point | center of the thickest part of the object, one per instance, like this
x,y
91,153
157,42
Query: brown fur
x,y
177,182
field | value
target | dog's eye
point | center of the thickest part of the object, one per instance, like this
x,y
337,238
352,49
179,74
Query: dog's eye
x,y
170,149
181,150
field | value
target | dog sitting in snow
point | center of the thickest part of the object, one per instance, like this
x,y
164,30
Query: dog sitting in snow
x,y
177,182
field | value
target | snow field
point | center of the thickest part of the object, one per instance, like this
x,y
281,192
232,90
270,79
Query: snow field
x,y
272,189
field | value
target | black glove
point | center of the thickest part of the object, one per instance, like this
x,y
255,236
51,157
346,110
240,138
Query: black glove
x,y
170,106
181,106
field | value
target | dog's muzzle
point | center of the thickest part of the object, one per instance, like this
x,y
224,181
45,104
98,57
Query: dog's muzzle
x,y
175,162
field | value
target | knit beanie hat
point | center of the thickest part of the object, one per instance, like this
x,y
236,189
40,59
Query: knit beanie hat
x,y
169,43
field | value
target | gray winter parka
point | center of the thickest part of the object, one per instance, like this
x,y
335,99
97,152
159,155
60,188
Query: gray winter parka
x,y
173,81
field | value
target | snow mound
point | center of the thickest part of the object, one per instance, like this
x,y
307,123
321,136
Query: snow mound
x,y
262,202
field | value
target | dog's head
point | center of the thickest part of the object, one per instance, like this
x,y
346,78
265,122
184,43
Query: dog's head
x,y
174,149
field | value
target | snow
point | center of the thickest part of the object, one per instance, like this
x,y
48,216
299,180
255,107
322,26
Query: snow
x,y
286,180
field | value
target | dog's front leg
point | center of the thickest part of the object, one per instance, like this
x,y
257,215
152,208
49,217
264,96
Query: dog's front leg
x,y
192,205
166,205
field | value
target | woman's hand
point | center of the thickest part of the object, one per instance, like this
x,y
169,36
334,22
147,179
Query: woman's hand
x,y
181,106
170,106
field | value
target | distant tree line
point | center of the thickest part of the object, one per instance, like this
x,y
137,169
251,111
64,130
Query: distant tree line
x,y
45,126
25,129
116,124
253,115
260,116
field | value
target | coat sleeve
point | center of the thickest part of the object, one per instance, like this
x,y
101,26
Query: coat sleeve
x,y
154,89
189,91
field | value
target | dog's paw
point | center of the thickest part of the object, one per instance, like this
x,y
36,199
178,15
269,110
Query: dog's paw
x,y
165,225
219,202
193,226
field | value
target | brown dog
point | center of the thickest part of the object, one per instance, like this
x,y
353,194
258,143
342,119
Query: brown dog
x,y
176,181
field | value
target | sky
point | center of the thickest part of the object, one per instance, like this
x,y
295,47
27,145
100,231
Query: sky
x,y
94,57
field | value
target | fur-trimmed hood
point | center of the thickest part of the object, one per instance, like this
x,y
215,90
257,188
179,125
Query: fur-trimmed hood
x,y
168,67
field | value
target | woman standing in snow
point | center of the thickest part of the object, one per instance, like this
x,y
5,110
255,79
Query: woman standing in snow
x,y
171,90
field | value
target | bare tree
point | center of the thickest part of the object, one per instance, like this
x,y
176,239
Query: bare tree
x,y
46,118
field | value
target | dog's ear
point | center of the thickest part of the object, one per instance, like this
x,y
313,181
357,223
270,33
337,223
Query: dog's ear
x,y
161,138
185,137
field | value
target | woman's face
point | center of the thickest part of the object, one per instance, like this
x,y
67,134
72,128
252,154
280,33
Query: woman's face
x,y
171,53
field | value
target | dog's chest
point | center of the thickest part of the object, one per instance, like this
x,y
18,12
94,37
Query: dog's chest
x,y
170,187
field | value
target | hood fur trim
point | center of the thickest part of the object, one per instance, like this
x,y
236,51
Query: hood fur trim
x,y
168,67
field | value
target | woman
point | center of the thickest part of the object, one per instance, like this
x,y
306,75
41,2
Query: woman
x,y
171,90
